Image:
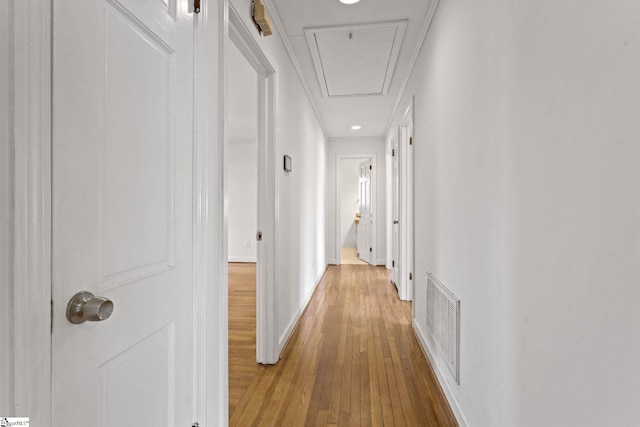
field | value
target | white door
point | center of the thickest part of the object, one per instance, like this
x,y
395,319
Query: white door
x,y
409,217
364,228
404,240
122,211
395,213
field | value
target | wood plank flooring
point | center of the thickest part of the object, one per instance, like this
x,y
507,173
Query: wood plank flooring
x,y
352,361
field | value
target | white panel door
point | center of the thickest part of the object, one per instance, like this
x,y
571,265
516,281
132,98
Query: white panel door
x,y
404,261
395,214
366,219
122,211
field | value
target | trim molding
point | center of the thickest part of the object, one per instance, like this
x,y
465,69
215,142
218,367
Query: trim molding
x,y
31,108
277,22
209,228
449,393
414,58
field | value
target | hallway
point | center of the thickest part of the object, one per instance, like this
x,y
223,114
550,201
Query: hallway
x,y
353,359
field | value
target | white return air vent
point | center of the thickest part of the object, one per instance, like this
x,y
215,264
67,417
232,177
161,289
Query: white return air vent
x,y
443,324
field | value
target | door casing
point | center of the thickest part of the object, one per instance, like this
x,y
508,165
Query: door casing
x,y
267,253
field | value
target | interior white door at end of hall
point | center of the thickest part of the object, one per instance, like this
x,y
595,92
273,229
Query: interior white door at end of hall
x,y
364,243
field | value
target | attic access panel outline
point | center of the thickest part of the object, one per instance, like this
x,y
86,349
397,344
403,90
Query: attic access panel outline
x,y
356,60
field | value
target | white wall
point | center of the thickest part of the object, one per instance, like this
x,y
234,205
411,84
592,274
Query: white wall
x,y
242,161
356,146
242,156
349,193
528,199
301,193
6,240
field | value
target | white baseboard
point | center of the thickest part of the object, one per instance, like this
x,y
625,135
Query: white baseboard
x,y
282,341
241,259
332,261
441,373
381,262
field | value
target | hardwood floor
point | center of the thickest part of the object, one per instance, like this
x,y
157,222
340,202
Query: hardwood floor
x,y
353,359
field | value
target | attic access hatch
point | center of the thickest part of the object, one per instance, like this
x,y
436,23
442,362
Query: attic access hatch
x,y
356,60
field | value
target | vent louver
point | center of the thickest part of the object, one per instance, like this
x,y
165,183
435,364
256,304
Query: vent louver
x,y
443,323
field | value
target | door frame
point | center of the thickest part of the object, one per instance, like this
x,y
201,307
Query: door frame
x,y
373,231
405,206
31,393
31,287
267,254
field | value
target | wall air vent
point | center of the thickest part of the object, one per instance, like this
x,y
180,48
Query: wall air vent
x,y
443,324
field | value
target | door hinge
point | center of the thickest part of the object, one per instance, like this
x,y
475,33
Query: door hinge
x,y
410,276
196,6
411,141
51,324
393,263
259,236
370,249
393,152
370,167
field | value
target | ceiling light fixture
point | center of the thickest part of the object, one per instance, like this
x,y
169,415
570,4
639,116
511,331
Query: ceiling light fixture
x,y
356,127
349,1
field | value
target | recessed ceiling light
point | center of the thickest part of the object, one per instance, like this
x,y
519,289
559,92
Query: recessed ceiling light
x,y
349,1
356,127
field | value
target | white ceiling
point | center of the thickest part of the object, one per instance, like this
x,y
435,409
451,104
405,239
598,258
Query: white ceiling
x,y
343,62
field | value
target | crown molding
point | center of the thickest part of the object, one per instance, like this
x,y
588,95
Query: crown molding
x,y
414,58
277,23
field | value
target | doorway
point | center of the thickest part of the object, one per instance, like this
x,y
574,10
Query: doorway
x,y
242,157
242,210
355,241
349,211
265,221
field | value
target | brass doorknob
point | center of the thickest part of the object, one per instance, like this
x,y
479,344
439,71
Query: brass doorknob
x,y
86,306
